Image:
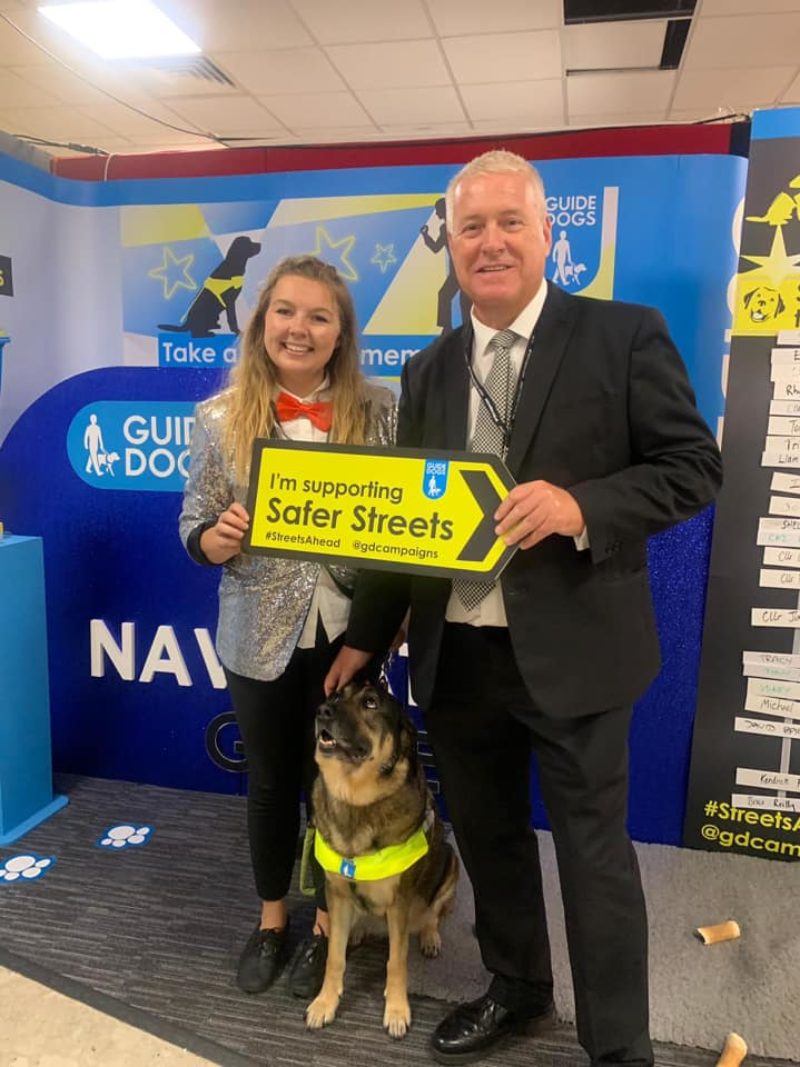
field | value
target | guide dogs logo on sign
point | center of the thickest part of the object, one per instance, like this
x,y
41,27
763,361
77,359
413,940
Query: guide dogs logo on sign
x,y
121,444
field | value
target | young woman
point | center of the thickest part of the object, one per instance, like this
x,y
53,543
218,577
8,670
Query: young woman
x,y
281,621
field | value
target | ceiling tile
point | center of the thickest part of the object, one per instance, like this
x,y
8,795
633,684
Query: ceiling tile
x,y
792,94
337,135
317,110
349,21
411,106
454,18
504,57
17,92
130,123
425,131
58,82
533,102
57,124
608,45
749,41
634,91
622,118
745,7
230,115
395,65
240,25
293,70
697,114
710,89
16,49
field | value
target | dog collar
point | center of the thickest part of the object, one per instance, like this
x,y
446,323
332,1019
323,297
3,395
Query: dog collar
x,y
383,863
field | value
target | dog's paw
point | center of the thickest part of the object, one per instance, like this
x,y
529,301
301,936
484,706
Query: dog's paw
x,y
397,1017
321,1011
430,943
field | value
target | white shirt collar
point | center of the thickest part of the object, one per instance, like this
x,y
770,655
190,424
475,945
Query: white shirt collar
x,y
315,394
523,325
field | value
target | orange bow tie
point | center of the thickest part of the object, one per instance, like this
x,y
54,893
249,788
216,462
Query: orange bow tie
x,y
320,414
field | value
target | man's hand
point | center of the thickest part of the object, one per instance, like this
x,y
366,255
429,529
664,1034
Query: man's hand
x,y
348,663
535,510
223,540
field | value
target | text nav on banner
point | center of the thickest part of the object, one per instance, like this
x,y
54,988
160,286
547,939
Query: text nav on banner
x,y
397,509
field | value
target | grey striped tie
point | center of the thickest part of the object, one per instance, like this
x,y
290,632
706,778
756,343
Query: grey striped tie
x,y
488,437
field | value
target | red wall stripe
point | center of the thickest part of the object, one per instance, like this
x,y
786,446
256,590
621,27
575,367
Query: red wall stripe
x,y
620,141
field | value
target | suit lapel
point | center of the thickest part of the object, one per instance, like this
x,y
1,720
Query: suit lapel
x,y
550,342
455,380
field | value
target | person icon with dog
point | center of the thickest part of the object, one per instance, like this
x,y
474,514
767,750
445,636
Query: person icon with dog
x,y
93,443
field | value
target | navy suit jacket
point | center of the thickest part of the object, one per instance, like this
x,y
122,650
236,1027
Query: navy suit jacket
x,y
607,412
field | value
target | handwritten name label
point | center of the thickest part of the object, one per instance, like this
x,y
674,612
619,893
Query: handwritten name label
x,y
775,659
779,425
775,617
766,705
774,688
745,800
780,459
771,579
761,670
781,557
776,531
767,779
780,357
767,729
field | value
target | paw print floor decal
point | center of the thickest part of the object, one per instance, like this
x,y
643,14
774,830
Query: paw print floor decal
x,y
26,868
124,836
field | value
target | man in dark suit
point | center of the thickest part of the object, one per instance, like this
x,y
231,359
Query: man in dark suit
x,y
592,409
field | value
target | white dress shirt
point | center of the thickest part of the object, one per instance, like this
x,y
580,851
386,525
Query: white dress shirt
x,y
491,610
328,603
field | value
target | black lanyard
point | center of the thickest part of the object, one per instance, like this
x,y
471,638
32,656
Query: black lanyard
x,y
505,425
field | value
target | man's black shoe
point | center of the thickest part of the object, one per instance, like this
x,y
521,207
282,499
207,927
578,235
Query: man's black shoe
x,y
473,1030
308,969
262,959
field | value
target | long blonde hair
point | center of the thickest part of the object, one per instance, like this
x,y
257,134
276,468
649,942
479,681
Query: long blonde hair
x,y
254,385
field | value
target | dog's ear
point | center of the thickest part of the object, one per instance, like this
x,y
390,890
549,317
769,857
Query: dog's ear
x,y
781,305
749,296
407,744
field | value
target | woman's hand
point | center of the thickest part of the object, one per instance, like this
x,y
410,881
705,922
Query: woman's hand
x,y
223,540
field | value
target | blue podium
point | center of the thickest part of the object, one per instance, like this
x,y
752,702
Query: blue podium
x,y
26,774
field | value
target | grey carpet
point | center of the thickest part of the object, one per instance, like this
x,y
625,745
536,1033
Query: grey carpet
x,y
152,934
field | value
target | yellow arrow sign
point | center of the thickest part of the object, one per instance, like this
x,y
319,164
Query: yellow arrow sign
x,y
392,508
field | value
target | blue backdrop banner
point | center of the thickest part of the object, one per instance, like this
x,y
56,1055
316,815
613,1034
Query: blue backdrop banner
x,y
126,303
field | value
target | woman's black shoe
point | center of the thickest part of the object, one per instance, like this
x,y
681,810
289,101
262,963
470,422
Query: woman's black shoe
x,y
262,959
308,969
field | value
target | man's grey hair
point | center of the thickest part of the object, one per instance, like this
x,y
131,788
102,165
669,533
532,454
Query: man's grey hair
x,y
498,161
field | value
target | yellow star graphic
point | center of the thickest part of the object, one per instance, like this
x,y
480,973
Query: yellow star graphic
x,y
384,256
167,276
777,265
345,267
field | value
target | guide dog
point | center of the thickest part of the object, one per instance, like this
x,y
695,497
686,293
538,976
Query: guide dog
x,y
219,293
373,813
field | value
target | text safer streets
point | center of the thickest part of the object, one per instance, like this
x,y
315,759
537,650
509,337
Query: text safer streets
x,y
397,509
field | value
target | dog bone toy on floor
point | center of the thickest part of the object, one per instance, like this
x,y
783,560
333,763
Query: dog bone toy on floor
x,y
733,1052
727,931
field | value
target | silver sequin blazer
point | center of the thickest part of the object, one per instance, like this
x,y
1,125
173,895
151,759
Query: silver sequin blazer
x,y
263,600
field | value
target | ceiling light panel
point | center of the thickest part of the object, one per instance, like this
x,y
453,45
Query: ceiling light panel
x,y
121,29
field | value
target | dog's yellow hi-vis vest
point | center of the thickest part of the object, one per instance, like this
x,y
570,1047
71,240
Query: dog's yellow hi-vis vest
x,y
218,286
383,863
